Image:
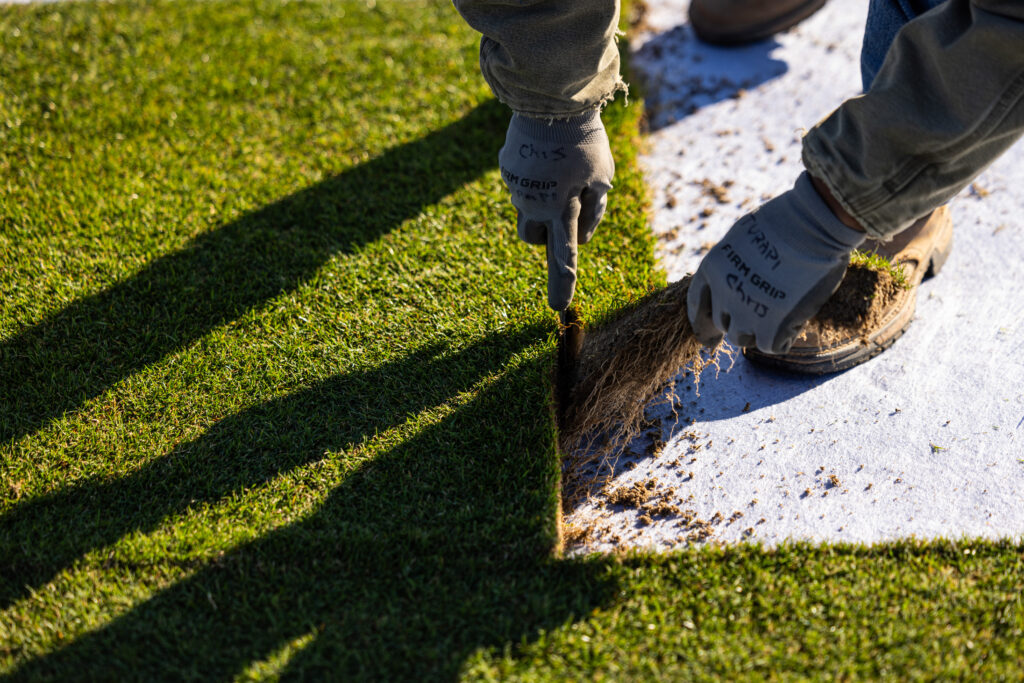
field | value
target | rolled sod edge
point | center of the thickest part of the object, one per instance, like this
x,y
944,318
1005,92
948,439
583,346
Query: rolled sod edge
x,y
621,368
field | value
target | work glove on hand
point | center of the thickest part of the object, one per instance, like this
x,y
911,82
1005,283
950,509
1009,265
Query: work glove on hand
x,y
772,272
559,174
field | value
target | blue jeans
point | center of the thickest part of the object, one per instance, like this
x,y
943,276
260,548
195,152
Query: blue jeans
x,y
946,98
885,19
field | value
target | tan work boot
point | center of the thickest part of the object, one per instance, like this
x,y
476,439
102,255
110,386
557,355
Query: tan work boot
x,y
732,22
847,333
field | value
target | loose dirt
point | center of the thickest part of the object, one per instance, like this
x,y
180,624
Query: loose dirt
x,y
631,496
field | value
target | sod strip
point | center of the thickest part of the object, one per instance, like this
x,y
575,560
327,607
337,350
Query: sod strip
x,y
906,610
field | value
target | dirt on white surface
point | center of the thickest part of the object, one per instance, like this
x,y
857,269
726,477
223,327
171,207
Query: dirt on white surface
x,y
926,440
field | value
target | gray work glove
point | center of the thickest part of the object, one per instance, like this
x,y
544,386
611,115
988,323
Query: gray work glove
x,y
558,173
772,272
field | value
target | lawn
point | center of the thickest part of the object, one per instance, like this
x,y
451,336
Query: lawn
x,y
275,384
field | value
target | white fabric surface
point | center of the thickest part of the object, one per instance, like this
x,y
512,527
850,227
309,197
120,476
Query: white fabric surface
x,y
927,439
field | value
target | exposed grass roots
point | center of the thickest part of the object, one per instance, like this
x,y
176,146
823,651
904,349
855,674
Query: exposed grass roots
x,y
623,366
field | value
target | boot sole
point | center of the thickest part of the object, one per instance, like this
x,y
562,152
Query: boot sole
x,y
709,34
851,352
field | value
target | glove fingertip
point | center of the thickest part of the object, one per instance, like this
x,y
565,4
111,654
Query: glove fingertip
x,y
744,340
559,301
594,204
710,340
561,287
694,296
561,256
698,310
782,343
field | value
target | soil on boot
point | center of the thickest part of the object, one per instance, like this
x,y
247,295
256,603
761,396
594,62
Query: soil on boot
x,y
857,307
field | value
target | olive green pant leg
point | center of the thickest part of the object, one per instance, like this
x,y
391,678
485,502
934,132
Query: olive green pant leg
x,y
948,101
548,58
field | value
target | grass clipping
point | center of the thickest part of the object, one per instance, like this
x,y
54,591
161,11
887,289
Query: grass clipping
x,y
622,367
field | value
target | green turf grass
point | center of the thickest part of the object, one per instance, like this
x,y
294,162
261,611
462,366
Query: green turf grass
x,y
274,383
877,262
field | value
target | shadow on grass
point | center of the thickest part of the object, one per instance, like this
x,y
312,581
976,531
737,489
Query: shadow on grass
x,y
435,548
56,365
438,546
237,453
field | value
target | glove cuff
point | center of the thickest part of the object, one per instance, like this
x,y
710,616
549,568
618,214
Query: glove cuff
x,y
576,130
808,202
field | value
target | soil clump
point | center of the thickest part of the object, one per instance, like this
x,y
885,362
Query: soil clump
x,y
630,496
858,306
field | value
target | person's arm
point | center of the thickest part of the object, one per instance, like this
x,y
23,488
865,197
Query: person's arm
x,y
555,63
947,102
548,58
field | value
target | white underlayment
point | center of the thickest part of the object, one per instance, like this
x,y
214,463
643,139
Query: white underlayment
x,y
925,440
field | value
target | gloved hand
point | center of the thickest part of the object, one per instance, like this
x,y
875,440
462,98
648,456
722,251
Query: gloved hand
x,y
558,173
772,272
